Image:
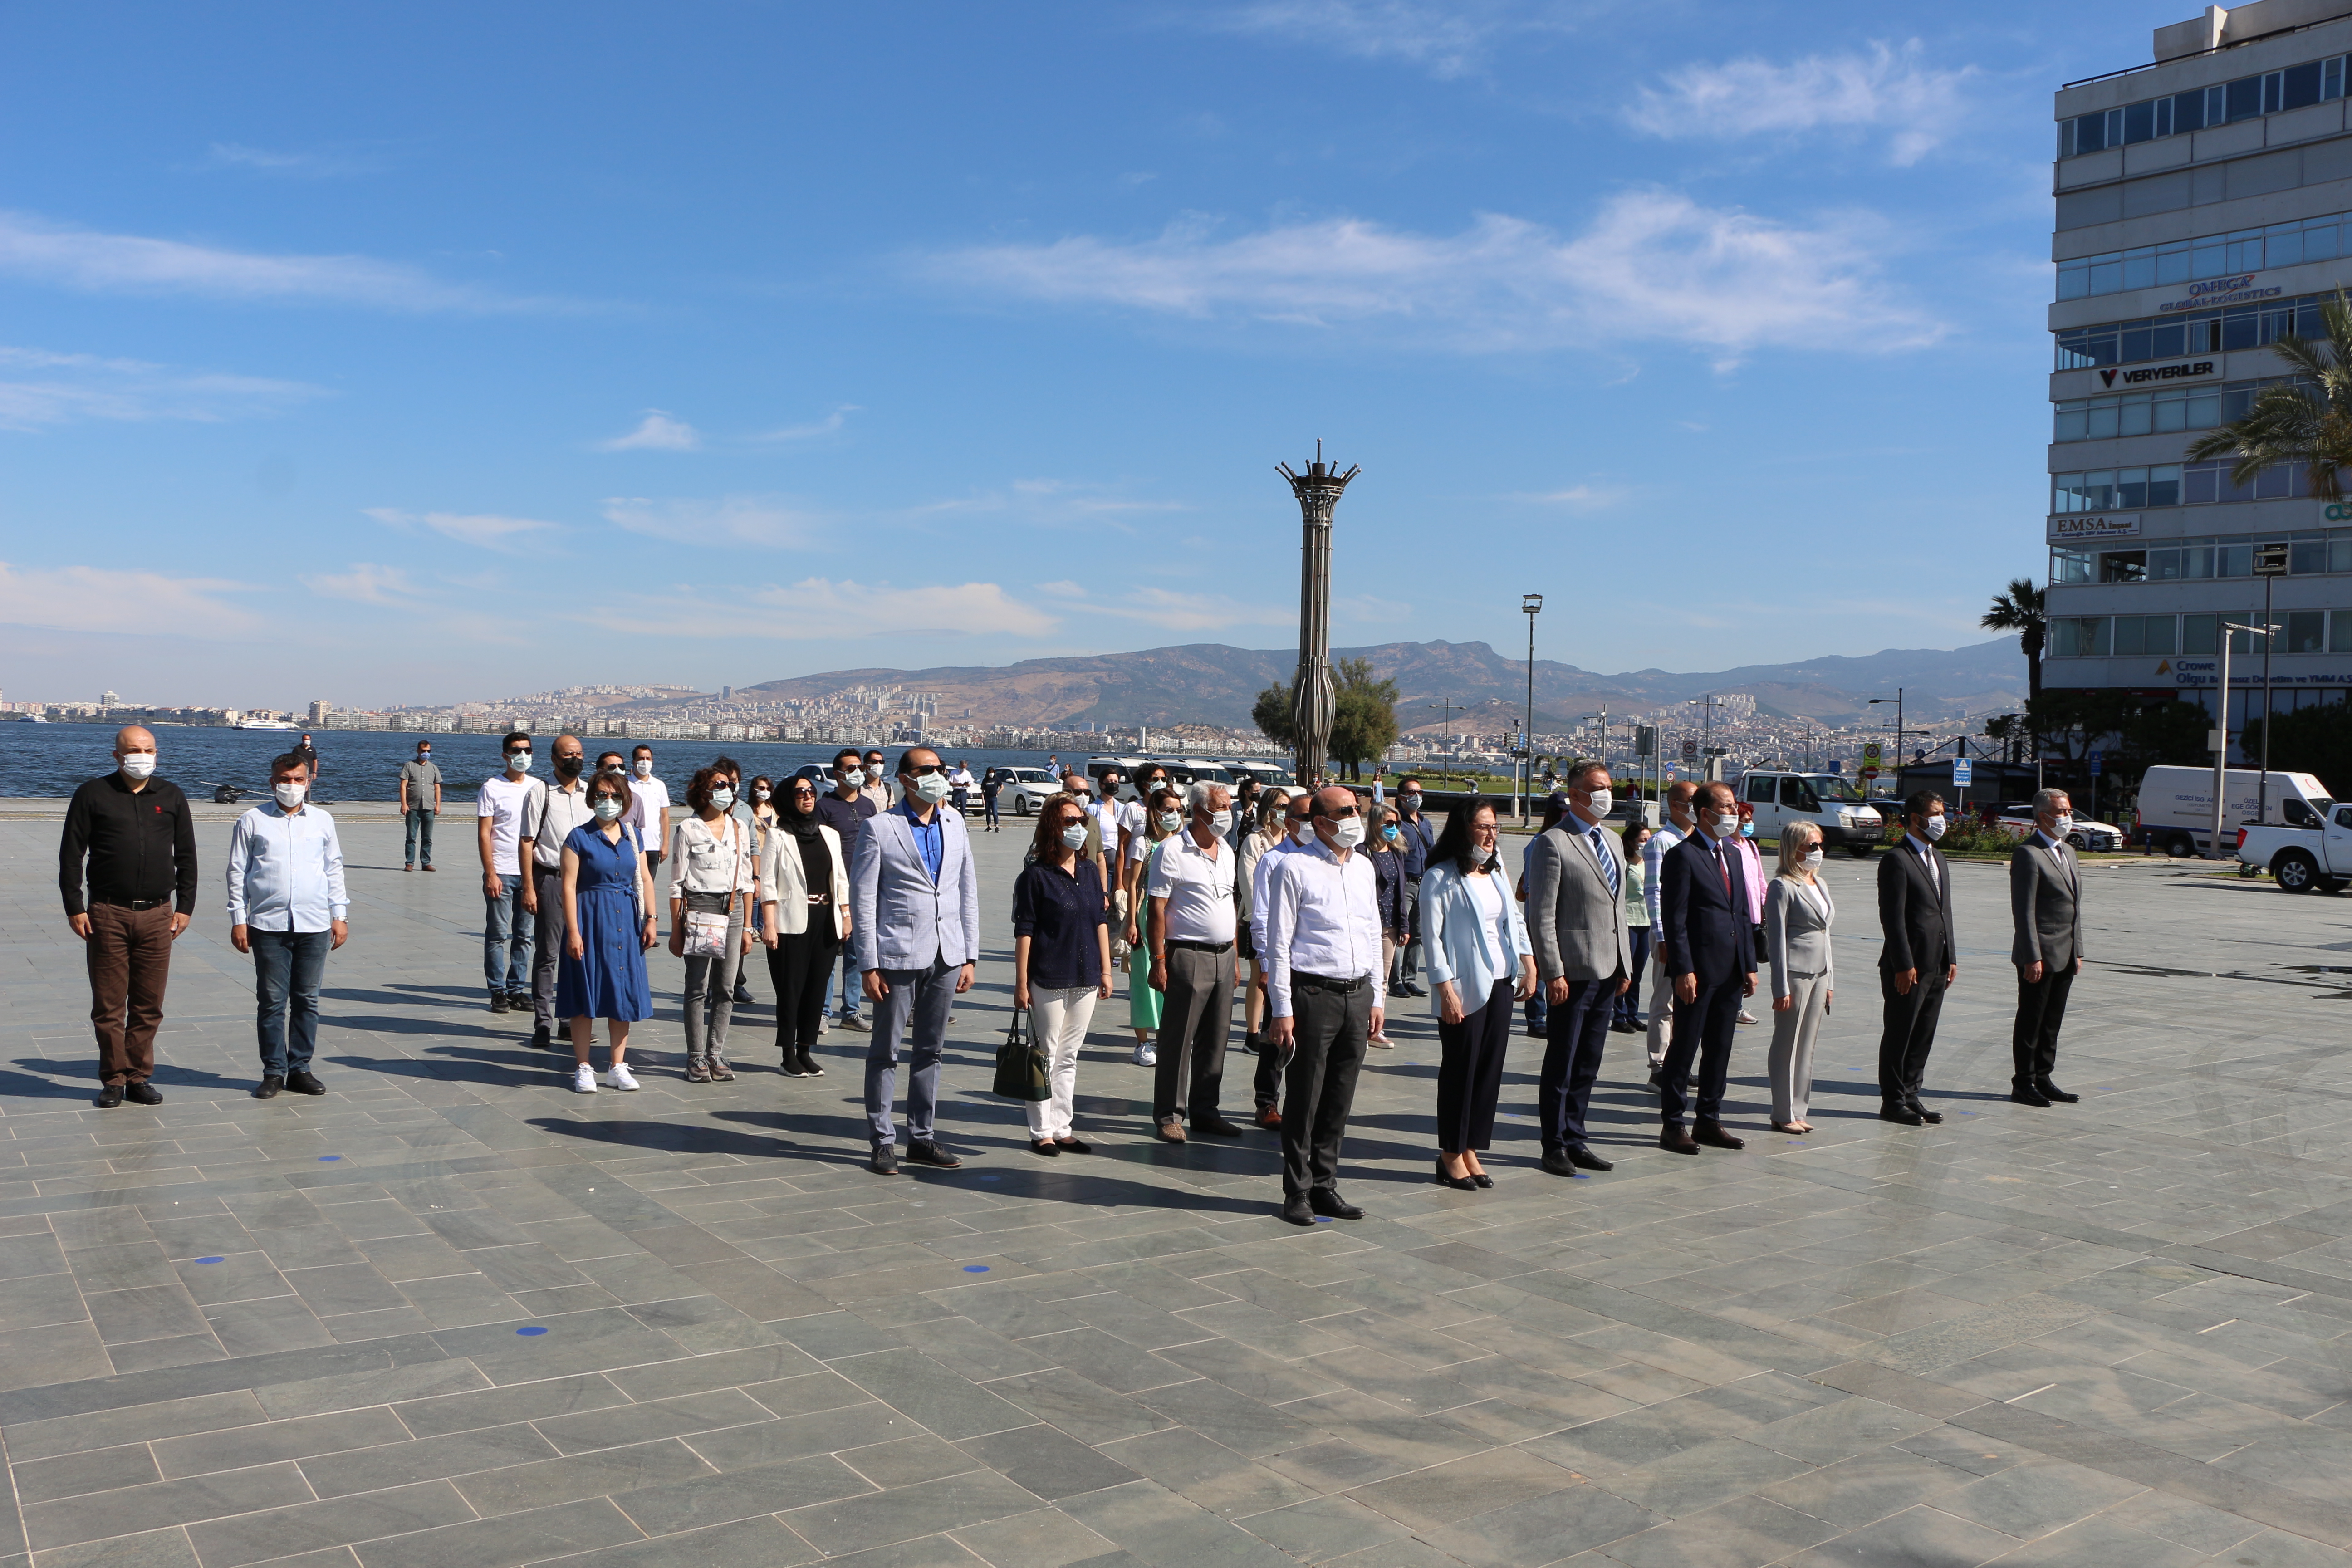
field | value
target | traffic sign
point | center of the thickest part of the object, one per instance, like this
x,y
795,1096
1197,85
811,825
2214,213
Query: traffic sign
x,y
1963,773
2095,764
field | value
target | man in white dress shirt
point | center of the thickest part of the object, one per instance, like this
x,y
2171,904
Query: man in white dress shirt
x,y
1324,997
287,907
1191,931
549,816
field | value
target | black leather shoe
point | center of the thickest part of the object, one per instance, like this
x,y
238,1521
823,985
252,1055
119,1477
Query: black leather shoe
x,y
1589,1160
1481,1179
143,1094
1296,1211
301,1083
2050,1091
1902,1115
108,1098
1930,1117
1217,1127
932,1155
1044,1146
1323,1201
1459,1183
885,1161
268,1087
1560,1162
1677,1141
499,1004
2025,1096
545,1037
1712,1134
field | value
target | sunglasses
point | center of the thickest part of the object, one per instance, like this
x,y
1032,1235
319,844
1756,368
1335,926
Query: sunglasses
x,y
924,772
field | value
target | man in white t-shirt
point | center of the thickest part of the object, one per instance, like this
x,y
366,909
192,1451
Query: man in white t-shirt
x,y
648,810
506,922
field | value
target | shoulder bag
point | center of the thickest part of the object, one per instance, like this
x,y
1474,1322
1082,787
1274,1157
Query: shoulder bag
x,y
1020,1064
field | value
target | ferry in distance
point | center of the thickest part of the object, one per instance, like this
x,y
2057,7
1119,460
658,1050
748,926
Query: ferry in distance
x,y
263,724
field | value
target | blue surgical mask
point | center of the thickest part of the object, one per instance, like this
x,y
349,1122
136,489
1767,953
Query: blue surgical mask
x,y
1747,830
1391,833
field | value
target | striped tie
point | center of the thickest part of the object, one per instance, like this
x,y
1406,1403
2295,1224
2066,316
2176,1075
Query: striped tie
x,y
1608,861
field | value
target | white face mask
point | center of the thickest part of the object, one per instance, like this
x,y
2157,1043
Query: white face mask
x,y
760,795
607,809
1813,860
1221,822
1074,835
519,761
2062,826
645,767
854,778
289,795
139,765
1935,828
1304,833
931,788
722,797
1169,821
1603,803
1350,833
1724,826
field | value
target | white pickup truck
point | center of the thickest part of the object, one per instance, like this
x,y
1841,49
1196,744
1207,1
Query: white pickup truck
x,y
2304,859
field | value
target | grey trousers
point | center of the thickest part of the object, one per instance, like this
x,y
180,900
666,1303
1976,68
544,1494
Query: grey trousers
x,y
547,886
1331,1028
711,994
1661,1006
916,1007
1193,1023
1790,1063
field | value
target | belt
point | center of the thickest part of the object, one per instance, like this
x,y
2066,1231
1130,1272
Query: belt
x,y
1326,982
1198,946
136,906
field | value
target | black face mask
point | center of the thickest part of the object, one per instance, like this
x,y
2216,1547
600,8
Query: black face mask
x,y
567,767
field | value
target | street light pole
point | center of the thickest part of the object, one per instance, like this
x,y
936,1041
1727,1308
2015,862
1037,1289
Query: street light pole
x,y
1532,605
2270,563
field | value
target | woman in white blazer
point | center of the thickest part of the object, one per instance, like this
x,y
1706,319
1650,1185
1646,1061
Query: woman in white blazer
x,y
1797,914
804,905
1475,945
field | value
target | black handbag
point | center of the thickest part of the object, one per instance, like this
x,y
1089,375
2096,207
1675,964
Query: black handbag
x,y
1020,1064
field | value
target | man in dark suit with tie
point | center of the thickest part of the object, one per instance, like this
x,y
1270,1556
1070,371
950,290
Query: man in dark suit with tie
x,y
1920,959
1708,945
2045,902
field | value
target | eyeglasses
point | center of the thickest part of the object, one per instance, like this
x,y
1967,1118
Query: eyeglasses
x,y
925,772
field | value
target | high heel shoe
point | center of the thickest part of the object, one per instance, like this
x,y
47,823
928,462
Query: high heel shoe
x,y
1481,1179
1459,1183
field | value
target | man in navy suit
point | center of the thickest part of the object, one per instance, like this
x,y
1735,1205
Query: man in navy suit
x,y
1708,946
1919,960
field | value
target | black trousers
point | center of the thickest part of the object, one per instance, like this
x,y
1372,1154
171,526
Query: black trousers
x,y
1907,1034
1470,1072
1194,1018
1704,1027
2040,1008
1331,1028
798,966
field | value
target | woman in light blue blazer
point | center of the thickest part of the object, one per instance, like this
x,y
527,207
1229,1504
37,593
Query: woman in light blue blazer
x,y
1476,947
1797,914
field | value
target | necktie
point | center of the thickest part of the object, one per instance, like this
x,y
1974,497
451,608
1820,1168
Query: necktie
x,y
1722,866
1608,862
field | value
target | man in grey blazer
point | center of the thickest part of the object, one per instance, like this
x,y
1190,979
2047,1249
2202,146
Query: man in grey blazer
x,y
915,928
1576,918
2045,902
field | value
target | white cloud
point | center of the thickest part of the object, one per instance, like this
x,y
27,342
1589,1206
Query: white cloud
x,y
366,583
818,607
1577,498
1886,88
40,388
657,432
298,165
1173,611
80,258
769,521
1653,265
829,425
99,599
1048,502
1445,38
485,531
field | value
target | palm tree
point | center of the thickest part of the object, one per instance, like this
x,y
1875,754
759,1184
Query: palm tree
x,y
2019,610
2307,420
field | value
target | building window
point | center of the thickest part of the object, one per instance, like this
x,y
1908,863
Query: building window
x,y
2155,413
2079,636
2339,632
2143,634
2069,565
2189,334
2306,632
2201,634
2248,98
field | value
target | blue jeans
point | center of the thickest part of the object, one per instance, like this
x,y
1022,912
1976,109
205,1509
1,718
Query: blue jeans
x,y
420,835
287,968
851,982
507,930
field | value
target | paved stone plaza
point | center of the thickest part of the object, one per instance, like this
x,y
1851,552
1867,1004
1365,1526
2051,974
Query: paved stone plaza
x,y
453,1315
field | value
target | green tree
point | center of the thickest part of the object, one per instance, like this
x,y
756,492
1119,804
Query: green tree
x,y
2307,419
1270,714
2133,733
2019,610
2315,739
1364,724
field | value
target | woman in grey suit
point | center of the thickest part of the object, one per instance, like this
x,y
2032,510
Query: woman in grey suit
x,y
1797,914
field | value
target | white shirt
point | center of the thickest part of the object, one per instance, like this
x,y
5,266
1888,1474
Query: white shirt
x,y
1258,881
1653,855
549,818
1106,815
648,811
1486,892
501,801
1927,859
1199,887
286,870
1321,917
711,858
961,778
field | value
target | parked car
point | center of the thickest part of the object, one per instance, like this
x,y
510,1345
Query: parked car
x,y
1829,801
1268,775
2303,859
1025,789
2016,821
2176,805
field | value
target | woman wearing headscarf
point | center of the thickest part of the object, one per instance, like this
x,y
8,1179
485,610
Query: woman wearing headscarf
x,y
803,896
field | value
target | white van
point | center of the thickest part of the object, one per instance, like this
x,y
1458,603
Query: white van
x,y
2176,805
1829,801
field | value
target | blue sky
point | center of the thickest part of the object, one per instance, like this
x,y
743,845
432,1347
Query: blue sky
x,y
437,351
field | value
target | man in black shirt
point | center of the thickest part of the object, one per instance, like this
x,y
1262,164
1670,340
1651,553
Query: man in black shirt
x,y
132,834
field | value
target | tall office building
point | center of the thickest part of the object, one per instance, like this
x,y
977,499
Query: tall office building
x,y
2204,208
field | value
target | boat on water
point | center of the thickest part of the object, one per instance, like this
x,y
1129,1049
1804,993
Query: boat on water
x,y
263,724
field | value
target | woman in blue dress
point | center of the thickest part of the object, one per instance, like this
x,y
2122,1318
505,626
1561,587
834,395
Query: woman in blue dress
x,y
608,901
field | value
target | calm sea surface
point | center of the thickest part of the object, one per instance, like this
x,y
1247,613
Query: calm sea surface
x,y
364,764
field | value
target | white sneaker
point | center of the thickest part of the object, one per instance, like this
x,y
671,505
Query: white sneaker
x,y
621,1078
824,1023
583,1081
1145,1056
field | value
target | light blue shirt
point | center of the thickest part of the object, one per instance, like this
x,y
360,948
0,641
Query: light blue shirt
x,y
931,838
286,870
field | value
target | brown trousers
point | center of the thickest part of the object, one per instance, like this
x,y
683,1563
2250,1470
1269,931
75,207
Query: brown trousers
x,y
130,954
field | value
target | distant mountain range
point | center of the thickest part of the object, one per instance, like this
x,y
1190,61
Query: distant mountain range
x,y
1210,683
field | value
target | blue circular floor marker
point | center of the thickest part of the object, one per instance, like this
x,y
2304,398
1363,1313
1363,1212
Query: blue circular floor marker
x,y
532,1332
1322,1219
212,1259
975,1269
324,1158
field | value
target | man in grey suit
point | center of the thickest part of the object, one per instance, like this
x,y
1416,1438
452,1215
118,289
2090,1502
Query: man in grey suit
x,y
2045,901
1576,918
915,927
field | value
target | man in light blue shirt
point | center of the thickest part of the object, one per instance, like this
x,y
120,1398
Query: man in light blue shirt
x,y
287,907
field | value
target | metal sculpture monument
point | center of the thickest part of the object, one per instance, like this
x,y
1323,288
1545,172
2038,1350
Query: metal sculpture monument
x,y
1313,700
